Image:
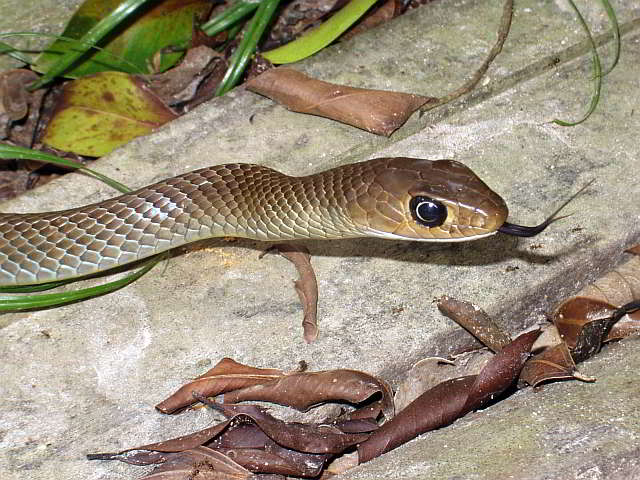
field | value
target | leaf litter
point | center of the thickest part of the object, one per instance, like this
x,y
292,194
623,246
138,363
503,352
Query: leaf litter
x,y
251,441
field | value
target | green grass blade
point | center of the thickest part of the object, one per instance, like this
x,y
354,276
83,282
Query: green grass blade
x,y
597,68
49,300
79,44
34,288
615,27
12,151
7,49
93,36
236,12
247,46
321,36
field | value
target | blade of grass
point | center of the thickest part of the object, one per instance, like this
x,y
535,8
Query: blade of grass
x,y
12,151
247,46
34,288
64,39
49,300
321,36
615,28
7,49
236,12
93,36
597,80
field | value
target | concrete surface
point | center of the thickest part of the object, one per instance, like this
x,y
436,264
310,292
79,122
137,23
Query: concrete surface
x,y
84,378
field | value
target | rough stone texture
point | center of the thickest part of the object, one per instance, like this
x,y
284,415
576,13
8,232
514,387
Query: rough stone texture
x,y
566,431
83,378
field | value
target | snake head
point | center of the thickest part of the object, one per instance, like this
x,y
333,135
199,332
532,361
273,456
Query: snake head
x,y
440,200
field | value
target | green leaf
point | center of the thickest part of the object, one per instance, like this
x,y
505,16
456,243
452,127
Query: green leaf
x,y
246,48
135,35
12,151
321,36
98,113
49,300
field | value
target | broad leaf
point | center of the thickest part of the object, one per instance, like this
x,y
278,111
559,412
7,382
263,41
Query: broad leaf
x,y
132,45
99,113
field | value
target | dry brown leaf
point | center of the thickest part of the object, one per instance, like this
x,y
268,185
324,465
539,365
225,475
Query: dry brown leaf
x,y
635,250
450,400
226,375
553,363
302,390
256,441
14,96
302,437
603,311
201,463
475,321
376,111
181,83
306,286
429,372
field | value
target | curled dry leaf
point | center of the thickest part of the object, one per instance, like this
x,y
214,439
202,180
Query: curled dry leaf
x,y
602,311
20,109
635,250
429,372
14,97
583,324
376,111
450,400
201,463
618,287
340,465
181,83
257,441
594,315
475,321
308,438
225,376
552,363
306,286
302,390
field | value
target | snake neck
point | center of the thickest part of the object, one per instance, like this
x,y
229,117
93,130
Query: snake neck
x,y
237,200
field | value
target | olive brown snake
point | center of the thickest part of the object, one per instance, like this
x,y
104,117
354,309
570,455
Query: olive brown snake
x,y
395,198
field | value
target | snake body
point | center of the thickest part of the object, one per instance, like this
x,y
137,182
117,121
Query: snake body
x,y
372,198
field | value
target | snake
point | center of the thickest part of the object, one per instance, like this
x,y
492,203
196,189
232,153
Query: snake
x,y
393,198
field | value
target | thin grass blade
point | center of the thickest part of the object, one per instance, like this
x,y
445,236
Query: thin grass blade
x,y
236,12
7,49
597,68
12,151
92,37
49,300
615,28
247,46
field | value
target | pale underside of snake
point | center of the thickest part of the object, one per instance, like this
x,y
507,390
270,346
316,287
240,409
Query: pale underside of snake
x,y
393,198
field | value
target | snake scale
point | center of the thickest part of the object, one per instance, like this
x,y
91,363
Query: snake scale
x,y
395,198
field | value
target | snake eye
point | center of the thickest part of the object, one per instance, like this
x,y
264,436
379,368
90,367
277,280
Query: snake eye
x,y
427,211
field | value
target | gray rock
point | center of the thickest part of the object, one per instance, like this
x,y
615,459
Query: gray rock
x,y
84,378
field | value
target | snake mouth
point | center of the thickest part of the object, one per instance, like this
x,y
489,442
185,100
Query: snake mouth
x,y
524,231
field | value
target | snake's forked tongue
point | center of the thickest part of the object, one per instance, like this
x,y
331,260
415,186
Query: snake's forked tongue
x,y
524,231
